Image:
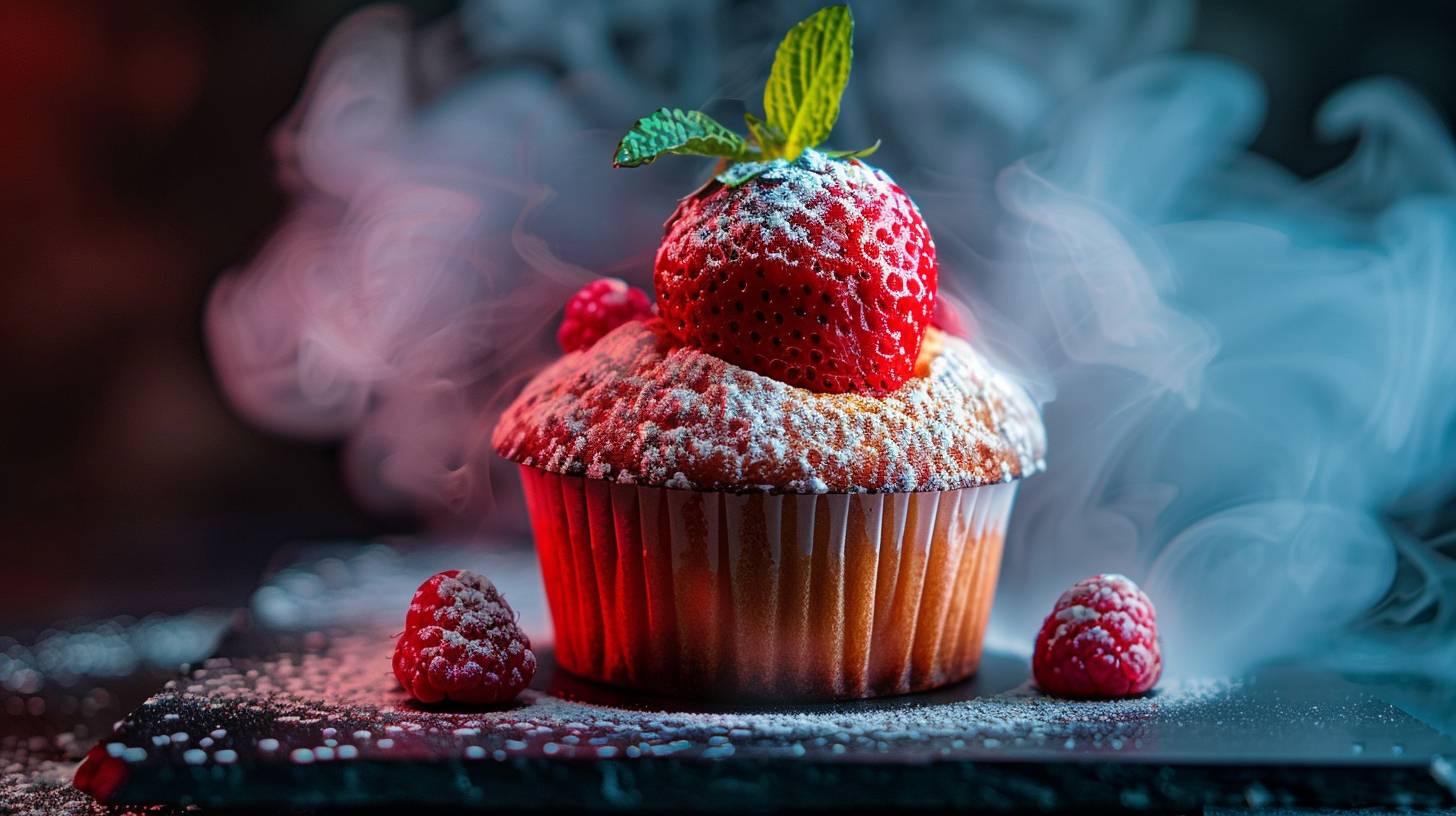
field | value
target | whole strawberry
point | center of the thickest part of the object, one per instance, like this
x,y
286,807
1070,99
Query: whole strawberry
x,y
818,272
1100,641
807,266
461,643
597,308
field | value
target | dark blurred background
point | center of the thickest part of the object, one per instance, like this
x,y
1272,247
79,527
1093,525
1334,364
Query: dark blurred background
x,y
136,168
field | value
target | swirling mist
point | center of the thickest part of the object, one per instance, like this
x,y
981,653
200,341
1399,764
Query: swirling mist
x,y
1253,373
1247,376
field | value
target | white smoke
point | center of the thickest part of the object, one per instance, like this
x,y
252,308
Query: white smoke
x,y
1253,374
1248,377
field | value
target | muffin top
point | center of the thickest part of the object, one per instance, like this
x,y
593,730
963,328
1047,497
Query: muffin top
x,y
638,407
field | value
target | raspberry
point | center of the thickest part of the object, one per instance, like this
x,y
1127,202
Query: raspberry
x,y
461,643
101,774
1100,641
818,272
952,317
597,308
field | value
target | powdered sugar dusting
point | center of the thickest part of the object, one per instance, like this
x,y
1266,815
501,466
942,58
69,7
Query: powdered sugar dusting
x,y
637,409
1109,591
792,195
1078,613
471,603
337,699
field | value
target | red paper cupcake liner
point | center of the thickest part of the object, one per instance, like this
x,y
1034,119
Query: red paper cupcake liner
x,y
756,595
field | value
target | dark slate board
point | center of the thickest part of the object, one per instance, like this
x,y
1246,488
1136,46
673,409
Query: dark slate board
x,y
315,720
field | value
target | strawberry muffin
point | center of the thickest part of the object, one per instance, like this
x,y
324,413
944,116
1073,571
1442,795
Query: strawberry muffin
x,y
782,480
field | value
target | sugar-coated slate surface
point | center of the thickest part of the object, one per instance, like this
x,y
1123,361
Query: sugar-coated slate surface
x,y
300,709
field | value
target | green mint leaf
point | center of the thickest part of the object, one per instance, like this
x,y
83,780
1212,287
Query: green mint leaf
x,y
854,154
770,139
810,70
670,130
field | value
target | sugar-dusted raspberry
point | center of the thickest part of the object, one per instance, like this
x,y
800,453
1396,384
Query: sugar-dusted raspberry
x,y
461,643
818,272
597,308
1100,641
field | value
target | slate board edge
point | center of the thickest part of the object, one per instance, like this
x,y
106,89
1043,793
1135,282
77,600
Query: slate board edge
x,y
535,784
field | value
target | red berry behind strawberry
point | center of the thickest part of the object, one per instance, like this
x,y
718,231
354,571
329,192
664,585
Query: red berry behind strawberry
x,y
461,643
596,309
1100,641
818,272
952,317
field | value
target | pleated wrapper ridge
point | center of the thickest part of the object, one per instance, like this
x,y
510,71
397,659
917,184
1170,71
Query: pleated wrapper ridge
x,y
767,595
